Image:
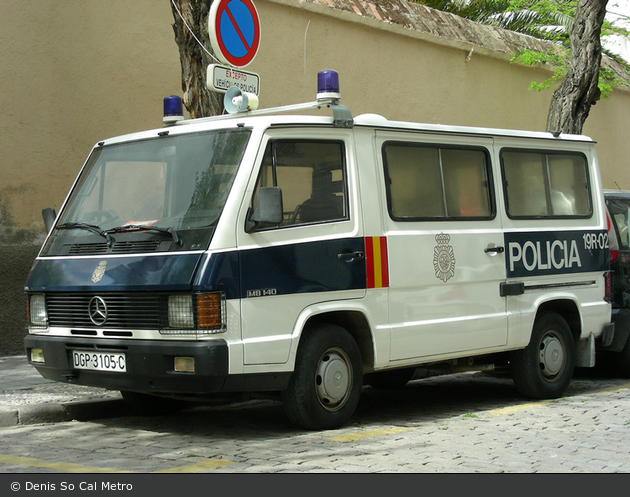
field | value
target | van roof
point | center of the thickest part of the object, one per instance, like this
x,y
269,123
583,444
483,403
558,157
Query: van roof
x,y
258,118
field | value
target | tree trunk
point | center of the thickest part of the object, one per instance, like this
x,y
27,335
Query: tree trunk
x,y
194,58
572,101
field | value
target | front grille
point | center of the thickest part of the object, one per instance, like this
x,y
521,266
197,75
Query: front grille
x,y
130,311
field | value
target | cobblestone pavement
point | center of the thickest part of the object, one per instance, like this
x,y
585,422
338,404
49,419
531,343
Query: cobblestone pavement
x,y
464,423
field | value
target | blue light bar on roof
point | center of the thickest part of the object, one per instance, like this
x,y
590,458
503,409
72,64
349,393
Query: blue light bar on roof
x,y
328,84
173,110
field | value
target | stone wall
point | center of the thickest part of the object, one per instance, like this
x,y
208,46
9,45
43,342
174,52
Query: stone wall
x,y
18,249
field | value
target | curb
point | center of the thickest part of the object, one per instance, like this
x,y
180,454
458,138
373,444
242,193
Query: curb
x,y
83,410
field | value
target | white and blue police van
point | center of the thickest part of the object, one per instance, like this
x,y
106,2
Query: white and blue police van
x,y
308,256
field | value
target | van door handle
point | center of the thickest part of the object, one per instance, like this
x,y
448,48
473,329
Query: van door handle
x,y
494,250
350,256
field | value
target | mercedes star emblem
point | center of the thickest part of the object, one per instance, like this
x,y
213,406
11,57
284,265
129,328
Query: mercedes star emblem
x,y
97,309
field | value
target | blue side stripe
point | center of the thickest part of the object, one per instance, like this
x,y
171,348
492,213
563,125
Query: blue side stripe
x,y
287,269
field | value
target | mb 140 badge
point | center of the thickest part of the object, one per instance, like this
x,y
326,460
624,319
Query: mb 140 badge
x,y
99,272
443,258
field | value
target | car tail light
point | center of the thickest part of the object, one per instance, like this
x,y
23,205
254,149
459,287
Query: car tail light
x,y
608,287
613,245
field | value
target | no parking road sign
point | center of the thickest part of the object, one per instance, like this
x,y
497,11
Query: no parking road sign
x,y
234,29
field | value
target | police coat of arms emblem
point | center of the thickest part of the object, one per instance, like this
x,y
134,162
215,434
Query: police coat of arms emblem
x,y
443,258
99,272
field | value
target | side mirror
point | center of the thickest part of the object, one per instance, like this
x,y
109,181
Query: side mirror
x,y
269,208
49,216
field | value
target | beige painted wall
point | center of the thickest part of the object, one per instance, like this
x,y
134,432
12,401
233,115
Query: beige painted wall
x,y
76,71
609,124
401,77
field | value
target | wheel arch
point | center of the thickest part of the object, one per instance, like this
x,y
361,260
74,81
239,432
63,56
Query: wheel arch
x,y
355,323
566,308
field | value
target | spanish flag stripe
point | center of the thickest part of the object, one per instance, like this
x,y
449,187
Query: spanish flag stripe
x,y
384,264
377,274
369,262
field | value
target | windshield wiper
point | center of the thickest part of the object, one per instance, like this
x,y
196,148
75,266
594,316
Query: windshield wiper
x,y
84,226
144,227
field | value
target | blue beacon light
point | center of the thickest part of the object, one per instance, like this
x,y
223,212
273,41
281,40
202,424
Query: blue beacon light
x,y
173,110
328,85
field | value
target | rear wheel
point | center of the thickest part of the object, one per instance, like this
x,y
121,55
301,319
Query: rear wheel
x,y
543,370
325,387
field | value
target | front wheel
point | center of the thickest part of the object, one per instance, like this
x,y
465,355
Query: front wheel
x,y
326,385
543,370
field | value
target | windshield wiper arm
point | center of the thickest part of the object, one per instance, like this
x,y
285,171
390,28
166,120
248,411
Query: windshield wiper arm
x,y
85,226
144,227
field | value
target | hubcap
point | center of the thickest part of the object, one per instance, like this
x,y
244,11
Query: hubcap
x,y
333,379
551,358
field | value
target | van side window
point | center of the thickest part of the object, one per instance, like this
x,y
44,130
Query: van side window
x,y
312,177
545,184
427,182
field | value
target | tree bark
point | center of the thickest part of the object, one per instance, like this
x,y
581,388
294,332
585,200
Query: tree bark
x,y
194,59
572,100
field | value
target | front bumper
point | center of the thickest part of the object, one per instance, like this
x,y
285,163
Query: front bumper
x,y
150,364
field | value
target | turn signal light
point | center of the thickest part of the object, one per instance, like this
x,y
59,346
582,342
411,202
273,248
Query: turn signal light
x,y
209,306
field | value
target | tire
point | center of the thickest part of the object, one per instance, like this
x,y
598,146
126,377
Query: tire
x,y
543,370
325,387
152,405
392,380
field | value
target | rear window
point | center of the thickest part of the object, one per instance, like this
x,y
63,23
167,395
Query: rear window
x,y
542,184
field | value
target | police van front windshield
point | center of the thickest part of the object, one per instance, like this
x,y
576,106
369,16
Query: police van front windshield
x,y
171,184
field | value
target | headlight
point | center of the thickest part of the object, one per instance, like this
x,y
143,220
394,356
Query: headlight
x,y
37,310
180,311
